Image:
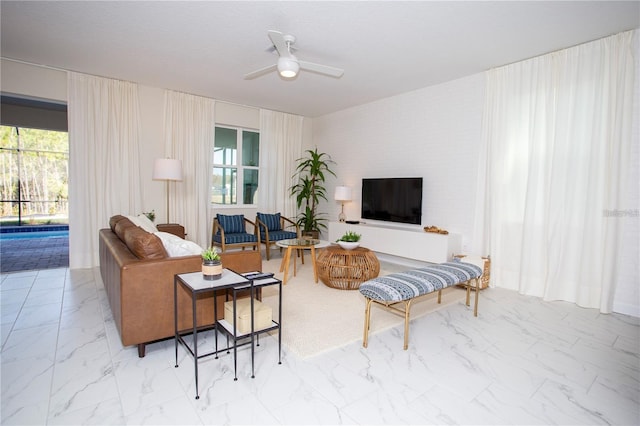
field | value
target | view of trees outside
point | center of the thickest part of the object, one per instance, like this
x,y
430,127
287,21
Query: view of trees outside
x,y
34,168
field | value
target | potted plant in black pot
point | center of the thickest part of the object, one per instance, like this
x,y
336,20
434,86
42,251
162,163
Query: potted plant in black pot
x,y
311,174
211,264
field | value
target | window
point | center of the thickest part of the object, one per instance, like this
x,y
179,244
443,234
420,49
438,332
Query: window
x,y
236,156
34,187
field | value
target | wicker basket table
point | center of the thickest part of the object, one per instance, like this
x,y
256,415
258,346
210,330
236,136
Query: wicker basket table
x,y
486,274
347,269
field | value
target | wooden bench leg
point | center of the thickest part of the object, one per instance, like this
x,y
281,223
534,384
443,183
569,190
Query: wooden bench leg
x,y
475,308
367,319
407,315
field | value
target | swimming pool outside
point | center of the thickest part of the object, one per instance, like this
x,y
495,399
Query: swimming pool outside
x,y
33,231
32,234
34,248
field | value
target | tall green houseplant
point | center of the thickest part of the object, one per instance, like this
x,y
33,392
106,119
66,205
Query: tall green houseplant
x,y
311,173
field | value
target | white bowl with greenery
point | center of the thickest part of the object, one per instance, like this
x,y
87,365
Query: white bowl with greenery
x,y
349,241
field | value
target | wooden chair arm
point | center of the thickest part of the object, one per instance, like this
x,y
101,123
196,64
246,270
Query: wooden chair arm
x,y
261,226
214,231
216,227
286,220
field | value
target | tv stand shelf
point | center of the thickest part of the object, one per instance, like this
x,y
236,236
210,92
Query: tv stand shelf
x,y
402,242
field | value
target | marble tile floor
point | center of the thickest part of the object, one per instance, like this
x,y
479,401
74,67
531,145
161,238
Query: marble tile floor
x,y
522,361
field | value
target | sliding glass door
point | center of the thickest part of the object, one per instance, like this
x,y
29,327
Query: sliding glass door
x,y
34,173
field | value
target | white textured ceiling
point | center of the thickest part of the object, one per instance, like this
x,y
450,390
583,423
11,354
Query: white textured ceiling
x,y
385,48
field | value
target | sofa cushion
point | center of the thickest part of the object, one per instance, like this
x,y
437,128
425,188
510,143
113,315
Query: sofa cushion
x,y
176,246
279,235
232,224
235,238
114,220
122,225
144,244
271,221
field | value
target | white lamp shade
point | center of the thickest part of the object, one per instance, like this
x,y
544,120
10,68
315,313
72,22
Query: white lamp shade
x,y
343,193
288,67
167,169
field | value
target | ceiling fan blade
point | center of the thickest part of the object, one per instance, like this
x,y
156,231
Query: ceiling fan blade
x,y
277,38
260,72
321,69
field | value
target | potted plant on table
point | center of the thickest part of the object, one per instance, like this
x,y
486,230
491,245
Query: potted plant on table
x,y
349,240
211,264
310,172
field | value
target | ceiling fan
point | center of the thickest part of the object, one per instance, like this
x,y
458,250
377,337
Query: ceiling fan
x,y
288,65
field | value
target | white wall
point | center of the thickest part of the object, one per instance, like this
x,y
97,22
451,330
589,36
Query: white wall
x,y
33,81
433,133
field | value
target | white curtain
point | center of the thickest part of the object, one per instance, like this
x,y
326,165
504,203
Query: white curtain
x,y
189,127
280,147
557,142
104,178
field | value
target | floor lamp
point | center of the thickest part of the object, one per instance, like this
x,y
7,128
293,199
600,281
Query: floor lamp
x,y
342,194
167,169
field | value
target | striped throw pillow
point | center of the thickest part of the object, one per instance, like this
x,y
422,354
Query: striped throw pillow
x,y
232,224
272,221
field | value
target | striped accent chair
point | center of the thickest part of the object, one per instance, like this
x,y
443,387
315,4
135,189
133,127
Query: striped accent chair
x,y
230,231
275,227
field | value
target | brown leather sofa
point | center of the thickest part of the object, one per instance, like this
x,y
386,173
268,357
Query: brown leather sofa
x,y
138,277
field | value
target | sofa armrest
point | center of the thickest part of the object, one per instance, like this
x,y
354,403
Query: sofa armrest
x,y
172,228
146,299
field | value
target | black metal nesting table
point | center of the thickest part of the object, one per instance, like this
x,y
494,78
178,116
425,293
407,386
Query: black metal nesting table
x,y
195,284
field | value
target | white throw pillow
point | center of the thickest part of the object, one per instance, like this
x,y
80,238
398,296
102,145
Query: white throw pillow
x,y
146,224
176,246
135,221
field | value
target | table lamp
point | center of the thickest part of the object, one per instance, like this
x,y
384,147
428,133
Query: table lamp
x,y
167,169
342,194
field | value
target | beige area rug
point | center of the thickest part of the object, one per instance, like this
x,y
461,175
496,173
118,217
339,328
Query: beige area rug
x,y
317,318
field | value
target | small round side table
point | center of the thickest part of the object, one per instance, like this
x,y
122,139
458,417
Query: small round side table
x,y
347,269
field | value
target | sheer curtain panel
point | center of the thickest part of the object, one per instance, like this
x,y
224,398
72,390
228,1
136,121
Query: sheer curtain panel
x,y
557,132
104,137
189,124
280,147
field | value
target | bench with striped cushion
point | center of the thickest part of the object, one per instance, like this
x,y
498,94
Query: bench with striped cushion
x,y
404,287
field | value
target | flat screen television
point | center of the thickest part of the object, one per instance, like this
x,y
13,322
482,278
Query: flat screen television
x,y
392,199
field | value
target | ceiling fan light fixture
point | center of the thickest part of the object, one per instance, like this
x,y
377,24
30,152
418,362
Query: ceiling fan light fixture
x,y
288,67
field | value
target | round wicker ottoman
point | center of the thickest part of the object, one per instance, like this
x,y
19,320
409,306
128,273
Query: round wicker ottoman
x,y
347,269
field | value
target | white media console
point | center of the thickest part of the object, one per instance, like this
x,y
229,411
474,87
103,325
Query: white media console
x,y
402,242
